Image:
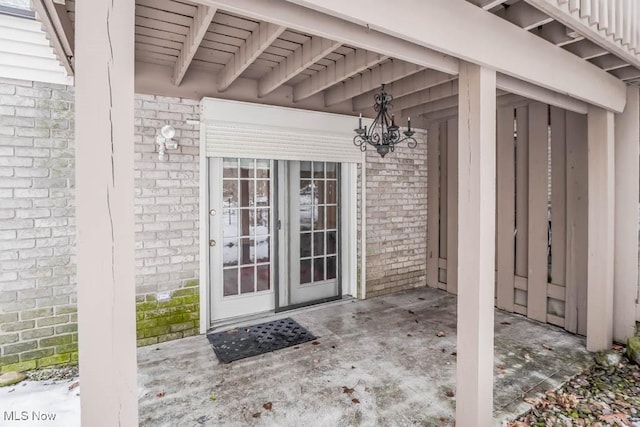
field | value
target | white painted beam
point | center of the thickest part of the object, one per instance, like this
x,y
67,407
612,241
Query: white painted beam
x,y
488,4
104,116
368,80
557,33
421,81
319,24
601,229
540,94
434,93
258,41
514,52
307,54
200,25
476,245
586,49
352,63
627,176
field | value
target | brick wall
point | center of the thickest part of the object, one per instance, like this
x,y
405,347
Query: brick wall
x,y
37,235
396,220
166,208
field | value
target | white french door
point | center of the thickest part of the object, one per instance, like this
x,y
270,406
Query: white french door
x,y
274,235
241,236
314,231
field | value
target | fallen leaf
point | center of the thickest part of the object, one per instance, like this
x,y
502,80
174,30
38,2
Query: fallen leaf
x,y
354,400
416,320
409,335
454,354
353,367
421,299
530,401
505,323
410,312
444,350
315,343
347,390
616,418
256,415
74,385
449,393
268,406
333,346
160,394
440,334
213,398
316,361
547,347
501,366
617,347
527,357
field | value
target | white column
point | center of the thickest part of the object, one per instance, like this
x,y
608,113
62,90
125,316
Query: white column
x,y
476,245
104,211
601,229
627,176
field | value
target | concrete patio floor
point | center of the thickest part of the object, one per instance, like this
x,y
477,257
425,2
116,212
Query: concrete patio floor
x,y
385,348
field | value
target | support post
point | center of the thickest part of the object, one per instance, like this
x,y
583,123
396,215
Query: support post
x,y
627,176
601,229
476,245
104,211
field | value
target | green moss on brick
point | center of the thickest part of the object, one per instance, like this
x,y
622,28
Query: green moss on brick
x,y
67,348
54,341
36,354
177,317
58,359
9,360
21,366
192,282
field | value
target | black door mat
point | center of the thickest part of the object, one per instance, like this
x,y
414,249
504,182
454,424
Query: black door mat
x,y
236,344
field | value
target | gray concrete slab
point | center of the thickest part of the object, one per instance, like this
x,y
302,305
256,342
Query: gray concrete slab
x,y
386,349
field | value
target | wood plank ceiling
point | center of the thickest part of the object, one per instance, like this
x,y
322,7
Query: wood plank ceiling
x,y
234,46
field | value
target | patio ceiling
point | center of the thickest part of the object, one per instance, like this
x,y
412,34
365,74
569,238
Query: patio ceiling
x,y
231,53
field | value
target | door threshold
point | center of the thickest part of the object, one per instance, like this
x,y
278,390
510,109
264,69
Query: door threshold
x,y
271,315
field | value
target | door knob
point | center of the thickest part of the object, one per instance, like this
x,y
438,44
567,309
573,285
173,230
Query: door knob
x,y
212,212
212,243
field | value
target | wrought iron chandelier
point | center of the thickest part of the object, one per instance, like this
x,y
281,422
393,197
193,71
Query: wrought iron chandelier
x,y
383,134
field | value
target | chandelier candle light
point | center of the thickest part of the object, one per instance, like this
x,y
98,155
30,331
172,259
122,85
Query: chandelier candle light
x,y
383,134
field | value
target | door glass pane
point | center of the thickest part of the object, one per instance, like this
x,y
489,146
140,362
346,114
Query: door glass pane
x,y
230,252
318,210
305,169
318,269
262,222
305,271
247,168
230,193
247,280
331,242
262,249
318,243
230,168
263,277
247,193
246,251
331,267
331,192
230,282
305,245
263,169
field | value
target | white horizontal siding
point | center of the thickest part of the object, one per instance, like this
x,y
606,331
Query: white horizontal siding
x,y
25,52
240,129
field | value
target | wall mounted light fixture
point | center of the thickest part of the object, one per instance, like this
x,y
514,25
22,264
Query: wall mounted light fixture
x,y
165,141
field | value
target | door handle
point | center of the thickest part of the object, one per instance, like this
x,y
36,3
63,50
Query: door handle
x,y
212,243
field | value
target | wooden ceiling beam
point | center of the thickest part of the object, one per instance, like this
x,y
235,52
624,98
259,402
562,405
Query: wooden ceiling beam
x,y
199,26
557,33
317,23
368,80
524,16
514,52
353,63
260,39
415,83
487,4
307,54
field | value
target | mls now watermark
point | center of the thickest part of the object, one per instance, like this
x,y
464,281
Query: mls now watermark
x,y
29,416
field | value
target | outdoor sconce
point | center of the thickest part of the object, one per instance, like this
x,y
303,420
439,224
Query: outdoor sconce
x,y
165,141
